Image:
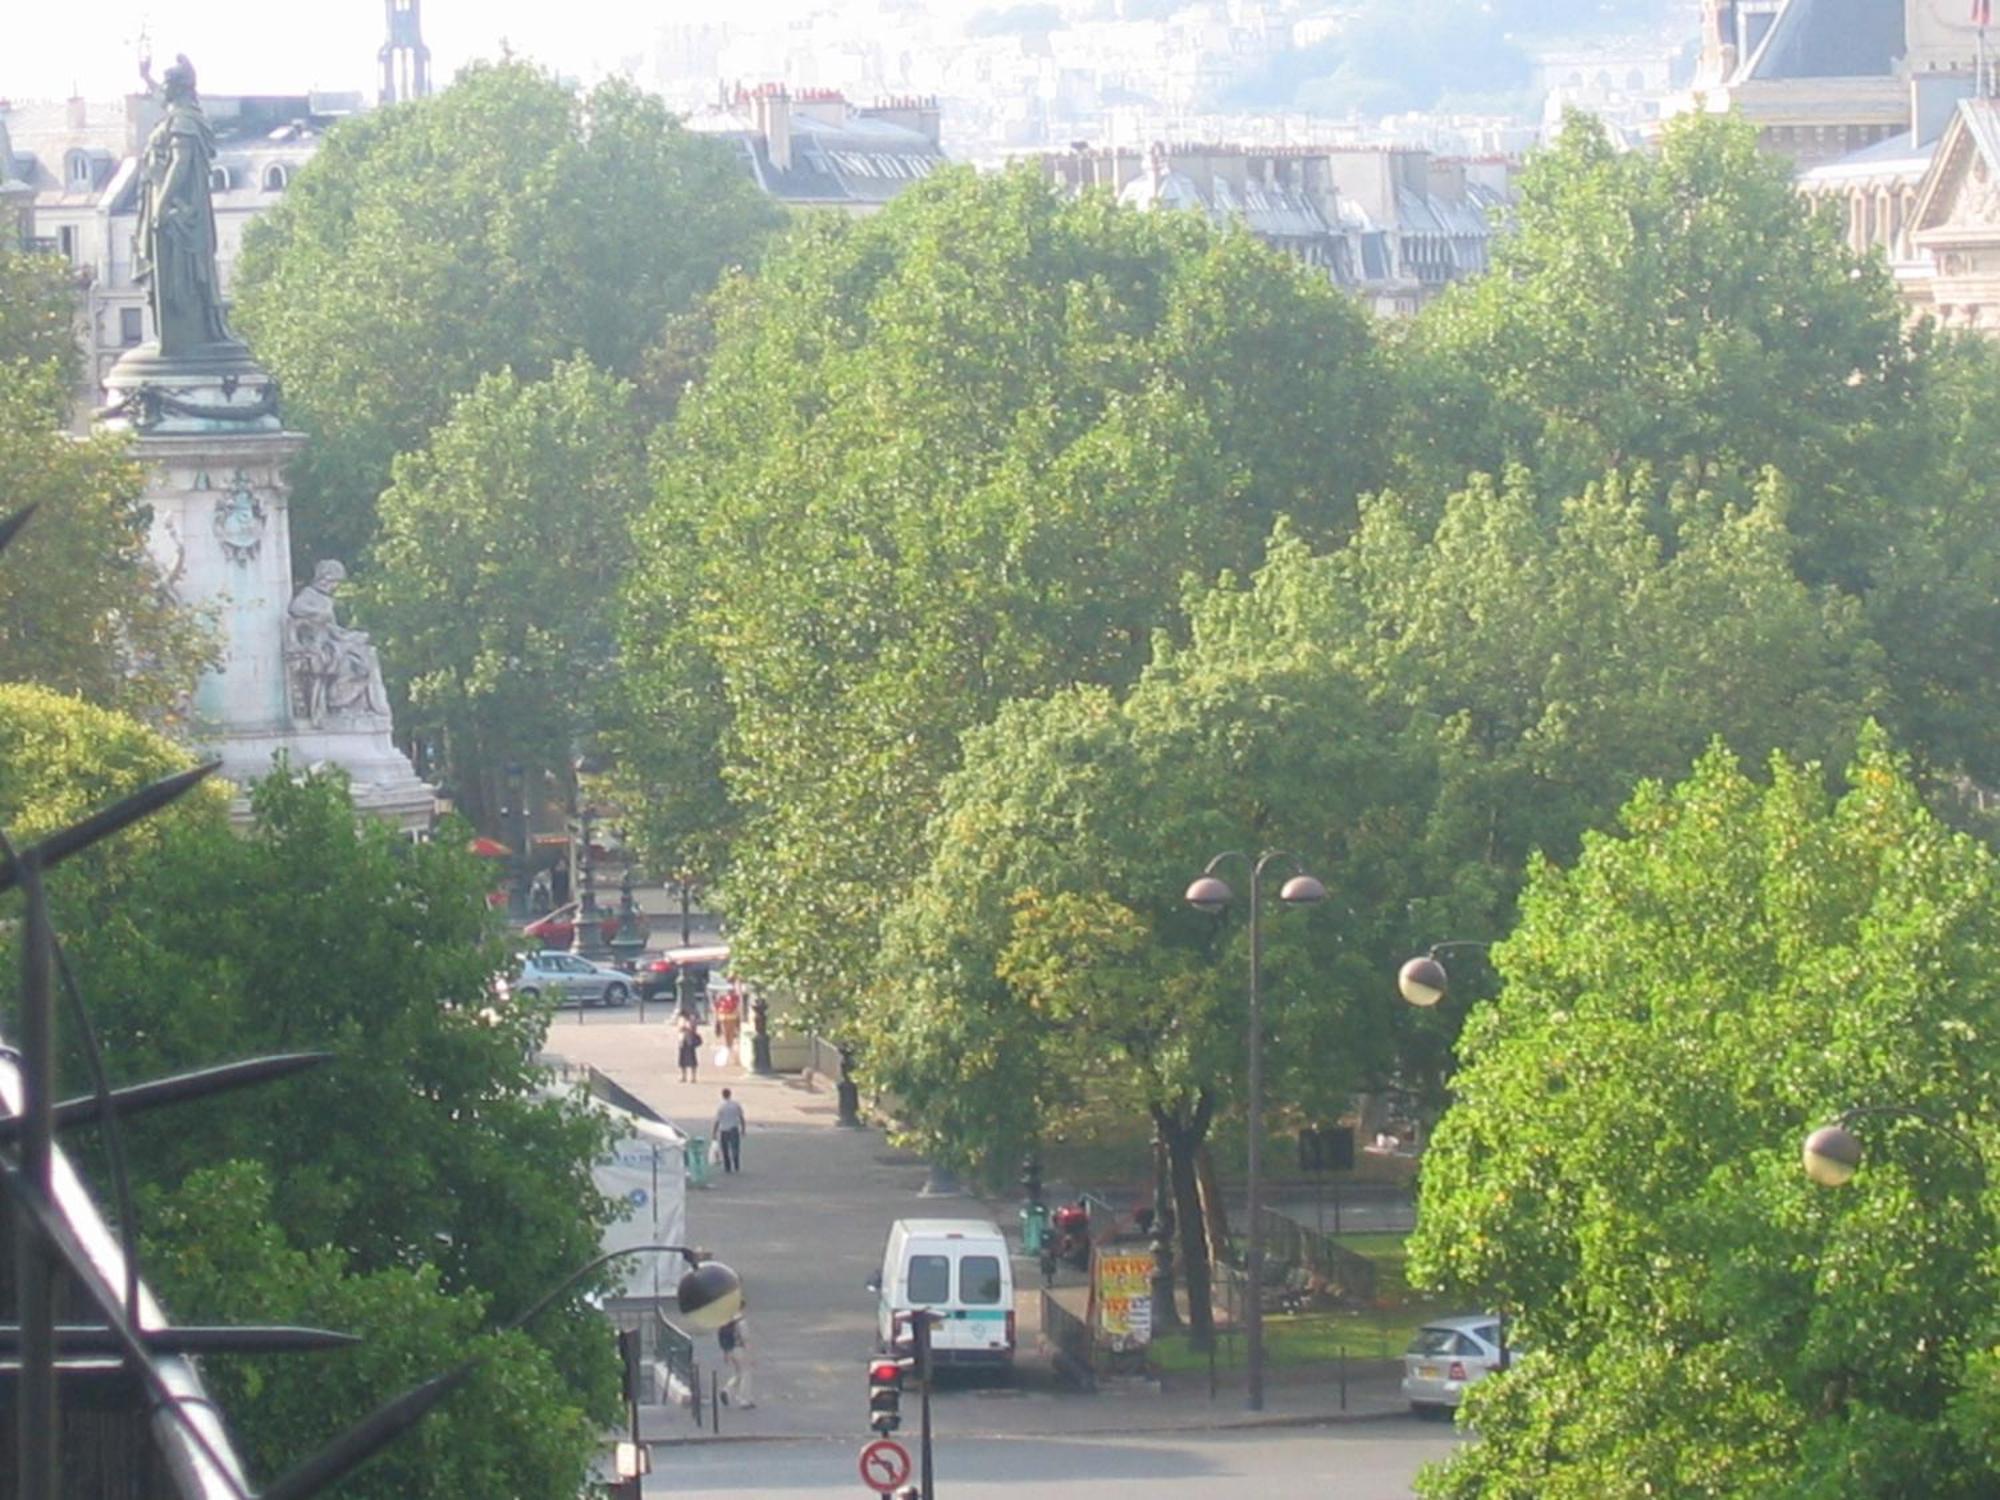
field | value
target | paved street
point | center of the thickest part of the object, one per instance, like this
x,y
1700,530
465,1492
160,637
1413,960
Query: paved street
x,y
1365,1461
804,1224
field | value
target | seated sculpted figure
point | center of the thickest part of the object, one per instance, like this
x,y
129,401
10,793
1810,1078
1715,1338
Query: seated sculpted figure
x,y
335,668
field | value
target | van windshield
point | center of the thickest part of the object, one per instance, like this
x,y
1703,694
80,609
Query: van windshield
x,y
930,1279
979,1280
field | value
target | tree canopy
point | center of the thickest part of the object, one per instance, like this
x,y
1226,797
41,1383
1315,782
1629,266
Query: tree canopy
x,y
503,543
507,222
959,452
1732,967
1686,311
1683,309
423,1183
1412,716
83,607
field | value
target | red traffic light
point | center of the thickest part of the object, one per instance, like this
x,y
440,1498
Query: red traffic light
x,y
886,1372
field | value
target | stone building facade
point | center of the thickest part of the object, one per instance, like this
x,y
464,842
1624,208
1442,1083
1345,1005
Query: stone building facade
x,y
812,148
79,161
1394,225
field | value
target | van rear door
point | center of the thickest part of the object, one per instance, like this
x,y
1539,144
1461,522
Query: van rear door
x,y
982,1315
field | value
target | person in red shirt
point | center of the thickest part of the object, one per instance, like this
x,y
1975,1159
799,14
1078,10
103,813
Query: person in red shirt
x,y
729,1016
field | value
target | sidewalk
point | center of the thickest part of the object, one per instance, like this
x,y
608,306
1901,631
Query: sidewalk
x,y
804,1225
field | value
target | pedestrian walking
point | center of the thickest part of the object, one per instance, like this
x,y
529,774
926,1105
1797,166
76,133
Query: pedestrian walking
x,y
729,1127
734,1337
690,1053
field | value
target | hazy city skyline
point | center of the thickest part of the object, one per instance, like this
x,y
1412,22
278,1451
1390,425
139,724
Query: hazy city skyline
x,y
240,46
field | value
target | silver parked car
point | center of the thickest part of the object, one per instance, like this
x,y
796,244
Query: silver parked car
x,y
570,979
1447,1356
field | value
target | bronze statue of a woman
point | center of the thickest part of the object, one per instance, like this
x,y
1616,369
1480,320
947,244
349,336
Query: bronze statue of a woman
x,y
176,250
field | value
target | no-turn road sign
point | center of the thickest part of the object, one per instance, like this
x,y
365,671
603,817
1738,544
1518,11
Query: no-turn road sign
x,y
885,1465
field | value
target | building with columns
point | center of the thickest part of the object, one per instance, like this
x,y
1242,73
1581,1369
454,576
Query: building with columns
x,y
1882,106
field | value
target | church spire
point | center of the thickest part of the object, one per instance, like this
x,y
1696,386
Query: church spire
x,y
406,61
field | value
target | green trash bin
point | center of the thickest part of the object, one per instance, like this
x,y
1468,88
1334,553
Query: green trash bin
x,y
1034,1227
696,1156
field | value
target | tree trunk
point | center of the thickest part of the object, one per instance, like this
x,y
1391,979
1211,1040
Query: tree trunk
x,y
1215,1213
1183,1137
1166,1311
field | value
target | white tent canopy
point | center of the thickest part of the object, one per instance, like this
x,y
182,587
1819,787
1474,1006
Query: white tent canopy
x,y
647,1171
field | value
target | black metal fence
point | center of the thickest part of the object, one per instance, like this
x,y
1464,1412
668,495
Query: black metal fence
x,y
1304,1262
1070,1337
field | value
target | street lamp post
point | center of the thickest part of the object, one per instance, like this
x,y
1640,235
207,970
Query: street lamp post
x,y
1210,894
517,822
587,936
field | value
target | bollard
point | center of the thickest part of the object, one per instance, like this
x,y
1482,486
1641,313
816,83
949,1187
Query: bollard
x,y
715,1402
1343,1376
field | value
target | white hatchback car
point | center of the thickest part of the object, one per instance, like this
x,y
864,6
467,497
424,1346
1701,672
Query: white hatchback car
x,y
1447,1356
570,979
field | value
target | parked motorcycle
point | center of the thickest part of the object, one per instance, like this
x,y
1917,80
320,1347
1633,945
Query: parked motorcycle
x,y
1068,1240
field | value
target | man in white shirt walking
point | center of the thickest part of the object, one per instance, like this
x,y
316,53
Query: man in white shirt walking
x,y
729,1127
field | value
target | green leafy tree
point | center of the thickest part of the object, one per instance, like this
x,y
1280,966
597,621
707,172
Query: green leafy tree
x,y
1683,309
83,607
502,546
37,312
419,1189
1415,714
1729,969
429,1140
1044,964
959,452
507,222
213,1253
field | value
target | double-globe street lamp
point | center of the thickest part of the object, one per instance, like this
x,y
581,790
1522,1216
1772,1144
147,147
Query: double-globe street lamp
x,y
1210,894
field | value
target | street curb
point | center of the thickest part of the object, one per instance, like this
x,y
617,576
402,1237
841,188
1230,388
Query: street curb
x,y
1243,1423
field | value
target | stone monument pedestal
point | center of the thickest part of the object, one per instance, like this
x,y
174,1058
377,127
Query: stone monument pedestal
x,y
206,430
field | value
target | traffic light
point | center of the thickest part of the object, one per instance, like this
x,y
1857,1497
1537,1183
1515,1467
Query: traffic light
x,y
1031,1177
633,1367
885,1391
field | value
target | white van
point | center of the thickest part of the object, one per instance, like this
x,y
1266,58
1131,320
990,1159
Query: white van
x,y
960,1269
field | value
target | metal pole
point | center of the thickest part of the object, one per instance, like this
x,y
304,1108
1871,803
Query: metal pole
x,y
37,1416
922,1329
1254,1255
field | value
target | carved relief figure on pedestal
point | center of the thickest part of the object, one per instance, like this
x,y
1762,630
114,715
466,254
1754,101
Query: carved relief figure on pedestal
x,y
176,239
239,521
335,672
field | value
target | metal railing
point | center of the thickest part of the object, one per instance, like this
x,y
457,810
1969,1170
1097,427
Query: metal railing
x,y
1310,1260
1071,1338
823,1058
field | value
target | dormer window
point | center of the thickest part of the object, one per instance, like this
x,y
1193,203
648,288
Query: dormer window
x,y
220,179
76,169
275,178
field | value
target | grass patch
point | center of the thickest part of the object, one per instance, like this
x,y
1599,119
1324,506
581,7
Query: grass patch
x,y
1382,1331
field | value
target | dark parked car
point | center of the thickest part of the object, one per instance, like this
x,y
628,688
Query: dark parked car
x,y
660,974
